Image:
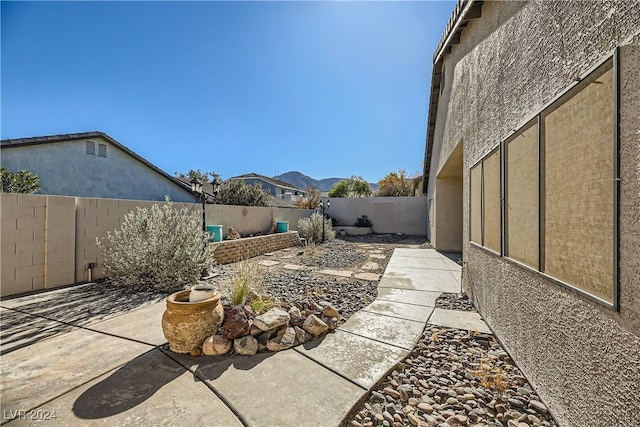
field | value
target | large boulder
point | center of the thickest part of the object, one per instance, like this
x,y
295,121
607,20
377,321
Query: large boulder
x,y
246,345
287,340
216,345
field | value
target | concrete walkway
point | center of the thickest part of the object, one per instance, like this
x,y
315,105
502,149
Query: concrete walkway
x,y
87,364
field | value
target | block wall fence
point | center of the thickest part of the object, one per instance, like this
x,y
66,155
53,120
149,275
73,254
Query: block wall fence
x,y
48,241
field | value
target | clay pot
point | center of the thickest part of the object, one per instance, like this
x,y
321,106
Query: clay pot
x,y
187,324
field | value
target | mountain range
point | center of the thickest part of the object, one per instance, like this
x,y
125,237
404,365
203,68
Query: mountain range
x,y
303,181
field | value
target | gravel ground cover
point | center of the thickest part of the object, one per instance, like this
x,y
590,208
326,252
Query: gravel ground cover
x,y
454,302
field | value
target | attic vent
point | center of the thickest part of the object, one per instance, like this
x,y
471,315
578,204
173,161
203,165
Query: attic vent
x,y
91,148
102,150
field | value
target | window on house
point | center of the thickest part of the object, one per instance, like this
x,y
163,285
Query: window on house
x,y
102,150
577,186
521,204
559,207
91,148
485,202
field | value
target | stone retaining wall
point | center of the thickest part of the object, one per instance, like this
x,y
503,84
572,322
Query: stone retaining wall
x,y
229,251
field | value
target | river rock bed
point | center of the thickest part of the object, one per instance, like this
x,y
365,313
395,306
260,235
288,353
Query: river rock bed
x,y
453,378
453,301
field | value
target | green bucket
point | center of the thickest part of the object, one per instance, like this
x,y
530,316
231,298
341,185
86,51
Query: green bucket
x,y
215,231
282,226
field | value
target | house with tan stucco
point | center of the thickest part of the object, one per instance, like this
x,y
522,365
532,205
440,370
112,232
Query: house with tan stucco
x,y
532,171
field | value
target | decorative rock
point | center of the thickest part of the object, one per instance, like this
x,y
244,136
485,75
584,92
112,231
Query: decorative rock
x,y
391,392
423,406
246,345
296,317
538,406
196,352
301,335
271,319
236,323
332,322
254,330
282,343
412,419
330,311
315,326
216,345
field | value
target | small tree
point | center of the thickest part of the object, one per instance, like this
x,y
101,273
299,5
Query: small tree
x,y
311,228
160,247
311,201
396,184
204,177
21,181
356,186
236,192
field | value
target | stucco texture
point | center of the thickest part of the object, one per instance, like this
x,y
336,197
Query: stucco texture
x,y
582,356
65,169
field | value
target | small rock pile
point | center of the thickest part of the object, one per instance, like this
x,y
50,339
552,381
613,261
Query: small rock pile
x,y
275,330
454,378
458,302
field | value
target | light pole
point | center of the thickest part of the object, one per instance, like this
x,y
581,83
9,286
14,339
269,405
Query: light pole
x,y
323,209
201,196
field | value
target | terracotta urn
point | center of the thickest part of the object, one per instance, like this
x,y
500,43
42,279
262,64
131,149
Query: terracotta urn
x,y
187,324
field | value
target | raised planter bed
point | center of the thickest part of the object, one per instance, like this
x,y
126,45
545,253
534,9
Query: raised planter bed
x,y
352,231
229,251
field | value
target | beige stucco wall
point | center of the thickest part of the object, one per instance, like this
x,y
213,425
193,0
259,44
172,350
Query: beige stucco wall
x,y
583,358
407,215
48,241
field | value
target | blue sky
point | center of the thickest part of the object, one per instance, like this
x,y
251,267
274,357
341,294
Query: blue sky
x,y
331,89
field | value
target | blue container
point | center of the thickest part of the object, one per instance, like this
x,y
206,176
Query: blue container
x,y
282,226
215,231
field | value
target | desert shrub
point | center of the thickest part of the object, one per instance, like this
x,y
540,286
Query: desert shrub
x,y
247,276
311,228
363,221
160,247
262,304
311,201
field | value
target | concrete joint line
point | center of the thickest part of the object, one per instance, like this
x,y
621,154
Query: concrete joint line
x,y
329,369
210,387
380,341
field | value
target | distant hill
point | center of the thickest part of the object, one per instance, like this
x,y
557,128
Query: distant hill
x,y
303,181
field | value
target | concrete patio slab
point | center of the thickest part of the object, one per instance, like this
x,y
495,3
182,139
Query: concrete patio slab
x,y
408,296
417,313
362,360
451,264
147,321
424,263
391,330
339,273
45,370
278,389
83,305
372,277
459,319
19,330
416,253
420,279
40,297
128,395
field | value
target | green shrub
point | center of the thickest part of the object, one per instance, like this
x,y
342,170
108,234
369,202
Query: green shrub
x,y
311,228
21,181
262,304
363,221
236,192
160,247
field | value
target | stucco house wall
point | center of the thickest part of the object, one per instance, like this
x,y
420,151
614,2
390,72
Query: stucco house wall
x,y
65,169
582,356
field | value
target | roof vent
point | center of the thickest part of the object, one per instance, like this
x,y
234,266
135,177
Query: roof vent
x,y
102,150
91,148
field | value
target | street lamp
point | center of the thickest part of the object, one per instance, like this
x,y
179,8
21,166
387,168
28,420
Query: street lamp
x,y
323,209
196,189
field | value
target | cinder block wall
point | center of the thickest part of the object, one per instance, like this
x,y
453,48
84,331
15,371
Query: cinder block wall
x,y
229,251
49,241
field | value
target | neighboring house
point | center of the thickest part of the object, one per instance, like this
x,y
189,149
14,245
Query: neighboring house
x,y
532,170
278,189
91,164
